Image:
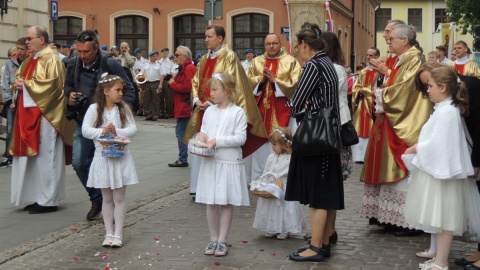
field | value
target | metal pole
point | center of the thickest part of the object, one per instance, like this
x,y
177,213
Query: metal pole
x,y
213,5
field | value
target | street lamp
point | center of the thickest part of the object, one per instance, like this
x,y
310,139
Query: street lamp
x,y
4,7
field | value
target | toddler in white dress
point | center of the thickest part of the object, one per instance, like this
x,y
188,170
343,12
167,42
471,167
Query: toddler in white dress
x,y
222,178
278,217
110,115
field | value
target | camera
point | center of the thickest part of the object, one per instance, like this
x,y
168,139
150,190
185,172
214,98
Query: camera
x,y
76,107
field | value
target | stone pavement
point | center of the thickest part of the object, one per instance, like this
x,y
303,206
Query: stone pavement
x,y
167,230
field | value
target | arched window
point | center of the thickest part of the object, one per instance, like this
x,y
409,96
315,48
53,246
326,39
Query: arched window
x,y
134,31
190,32
249,31
66,29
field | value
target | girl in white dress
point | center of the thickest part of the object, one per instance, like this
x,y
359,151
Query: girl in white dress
x,y
441,199
222,179
110,115
278,217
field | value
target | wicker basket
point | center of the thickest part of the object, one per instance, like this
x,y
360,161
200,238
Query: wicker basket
x,y
266,194
113,148
202,151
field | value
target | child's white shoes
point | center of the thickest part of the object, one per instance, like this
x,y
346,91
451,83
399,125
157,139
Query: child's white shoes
x,y
108,241
283,236
117,242
211,247
222,250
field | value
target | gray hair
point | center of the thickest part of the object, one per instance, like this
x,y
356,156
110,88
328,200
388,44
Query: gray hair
x,y
406,31
186,51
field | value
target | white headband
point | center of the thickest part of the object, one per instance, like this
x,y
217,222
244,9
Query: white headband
x,y
283,136
217,76
104,80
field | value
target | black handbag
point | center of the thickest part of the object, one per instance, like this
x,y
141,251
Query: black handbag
x,y
318,133
348,134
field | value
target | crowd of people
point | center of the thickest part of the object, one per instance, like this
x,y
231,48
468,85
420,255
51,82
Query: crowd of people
x,y
416,122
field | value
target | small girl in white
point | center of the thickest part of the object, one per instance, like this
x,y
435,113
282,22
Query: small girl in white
x,y
222,179
110,115
278,217
441,199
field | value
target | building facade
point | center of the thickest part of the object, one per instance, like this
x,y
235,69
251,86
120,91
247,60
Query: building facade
x,y
425,15
152,25
20,16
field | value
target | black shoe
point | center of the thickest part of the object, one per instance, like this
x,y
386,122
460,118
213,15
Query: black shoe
x,y
327,250
168,116
333,238
30,206
94,212
471,267
153,119
177,163
38,209
319,257
5,163
463,262
149,118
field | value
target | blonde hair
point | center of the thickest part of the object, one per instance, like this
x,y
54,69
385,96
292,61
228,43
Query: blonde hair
x,y
283,137
226,81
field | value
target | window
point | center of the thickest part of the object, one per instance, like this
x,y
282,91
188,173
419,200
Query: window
x,y
134,31
190,32
440,16
415,18
66,29
249,31
383,16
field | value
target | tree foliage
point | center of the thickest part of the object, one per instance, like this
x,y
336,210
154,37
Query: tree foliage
x,y
465,13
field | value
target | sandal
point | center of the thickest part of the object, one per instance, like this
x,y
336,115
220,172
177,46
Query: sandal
x,y
425,254
434,266
108,241
426,263
222,250
211,247
117,241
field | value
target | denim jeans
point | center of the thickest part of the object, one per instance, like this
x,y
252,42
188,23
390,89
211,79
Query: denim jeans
x,y
83,150
10,116
180,132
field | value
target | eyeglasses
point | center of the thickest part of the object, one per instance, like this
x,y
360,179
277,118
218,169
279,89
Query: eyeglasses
x,y
295,50
392,38
177,55
268,44
30,38
84,38
370,55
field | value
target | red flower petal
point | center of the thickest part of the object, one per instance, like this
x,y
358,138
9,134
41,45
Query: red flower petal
x,y
75,258
273,254
244,241
217,263
107,268
158,252
229,245
74,228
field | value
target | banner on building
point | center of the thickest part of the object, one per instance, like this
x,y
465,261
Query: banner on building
x,y
447,31
303,13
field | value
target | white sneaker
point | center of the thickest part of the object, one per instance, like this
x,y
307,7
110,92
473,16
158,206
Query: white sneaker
x,y
283,236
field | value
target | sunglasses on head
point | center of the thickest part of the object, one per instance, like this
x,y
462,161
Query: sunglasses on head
x,y
84,38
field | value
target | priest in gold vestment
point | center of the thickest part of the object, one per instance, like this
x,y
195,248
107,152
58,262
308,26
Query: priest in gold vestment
x,y
41,137
362,103
274,77
222,59
397,126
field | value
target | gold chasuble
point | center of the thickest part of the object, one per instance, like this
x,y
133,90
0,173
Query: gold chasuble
x,y
44,78
468,69
286,71
398,128
363,102
227,62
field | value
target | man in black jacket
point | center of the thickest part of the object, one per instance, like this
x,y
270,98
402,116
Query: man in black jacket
x,y
83,74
